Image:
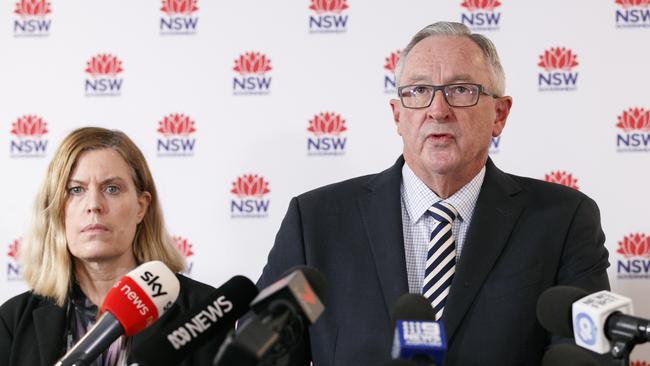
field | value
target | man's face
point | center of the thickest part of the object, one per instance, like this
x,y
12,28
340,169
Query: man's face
x,y
441,140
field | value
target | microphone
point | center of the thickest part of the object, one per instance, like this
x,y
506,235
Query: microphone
x,y
598,322
417,336
568,355
135,302
282,312
211,319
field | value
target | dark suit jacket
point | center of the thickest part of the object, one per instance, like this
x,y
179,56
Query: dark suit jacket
x,y
525,236
32,328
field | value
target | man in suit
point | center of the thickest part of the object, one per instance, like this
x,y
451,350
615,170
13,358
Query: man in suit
x,y
443,221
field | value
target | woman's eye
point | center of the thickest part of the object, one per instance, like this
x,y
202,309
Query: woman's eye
x,y
113,189
75,190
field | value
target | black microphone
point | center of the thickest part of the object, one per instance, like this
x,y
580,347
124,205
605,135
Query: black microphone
x,y
568,355
418,337
282,312
211,319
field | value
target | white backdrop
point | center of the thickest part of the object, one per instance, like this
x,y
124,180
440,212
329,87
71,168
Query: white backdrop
x,y
284,96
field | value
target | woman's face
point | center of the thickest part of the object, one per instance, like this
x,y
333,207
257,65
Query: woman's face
x,y
102,208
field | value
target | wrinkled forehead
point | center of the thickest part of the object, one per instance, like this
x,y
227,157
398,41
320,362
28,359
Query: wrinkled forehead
x,y
445,59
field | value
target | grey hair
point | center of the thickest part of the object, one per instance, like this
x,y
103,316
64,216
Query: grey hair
x,y
459,30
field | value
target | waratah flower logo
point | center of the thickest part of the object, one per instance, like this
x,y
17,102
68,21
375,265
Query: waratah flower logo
x,y
633,3
29,126
634,119
328,123
252,63
639,363
558,58
328,6
175,7
250,185
13,249
563,178
486,5
391,61
183,246
635,245
176,124
26,8
104,64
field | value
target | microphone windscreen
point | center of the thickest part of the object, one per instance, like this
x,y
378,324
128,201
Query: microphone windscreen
x,y
140,297
413,307
210,320
554,309
568,355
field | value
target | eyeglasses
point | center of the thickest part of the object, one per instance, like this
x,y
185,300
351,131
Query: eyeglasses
x,y
456,95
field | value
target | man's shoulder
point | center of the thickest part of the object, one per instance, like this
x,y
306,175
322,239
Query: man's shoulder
x,y
548,191
348,187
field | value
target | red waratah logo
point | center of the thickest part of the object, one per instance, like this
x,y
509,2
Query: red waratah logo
x,y
172,7
635,245
252,63
558,58
563,178
474,5
29,126
634,119
176,124
639,363
328,6
633,3
326,124
183,246
13,249
104,64
250,185
26,8
391,61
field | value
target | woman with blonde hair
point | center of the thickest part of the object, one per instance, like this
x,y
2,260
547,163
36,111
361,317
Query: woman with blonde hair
x,y
96,217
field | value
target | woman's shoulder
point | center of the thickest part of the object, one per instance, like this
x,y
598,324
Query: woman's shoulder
x,y
27,301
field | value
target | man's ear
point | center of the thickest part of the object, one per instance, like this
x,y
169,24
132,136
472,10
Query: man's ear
x,y
502,110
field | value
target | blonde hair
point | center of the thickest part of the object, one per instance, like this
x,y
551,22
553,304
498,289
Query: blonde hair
x,y
47,263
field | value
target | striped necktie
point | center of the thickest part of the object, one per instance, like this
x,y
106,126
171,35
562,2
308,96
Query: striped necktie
x,y
441,257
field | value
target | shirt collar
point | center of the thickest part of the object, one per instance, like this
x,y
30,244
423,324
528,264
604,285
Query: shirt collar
x,y
418,197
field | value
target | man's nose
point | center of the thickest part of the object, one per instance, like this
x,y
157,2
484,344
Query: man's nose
x,y
439,108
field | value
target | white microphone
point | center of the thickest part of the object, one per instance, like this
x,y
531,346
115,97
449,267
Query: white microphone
x,y
590,317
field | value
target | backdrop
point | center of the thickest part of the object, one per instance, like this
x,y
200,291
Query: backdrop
x,y
240,105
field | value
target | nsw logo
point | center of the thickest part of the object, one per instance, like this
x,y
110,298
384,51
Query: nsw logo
x,y
252,68
176,130
32,18
14,270
177,18
481,15
328,16
185,248
326,129
29,137
103,71
634,131
250,190
557,63
563,178
633,14
390,84
635,250
639,363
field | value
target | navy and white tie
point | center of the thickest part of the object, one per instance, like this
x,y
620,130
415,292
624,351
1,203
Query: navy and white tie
x,y
441,257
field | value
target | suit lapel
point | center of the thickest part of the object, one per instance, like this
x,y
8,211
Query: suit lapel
x,y
381,213
51,319
497,209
